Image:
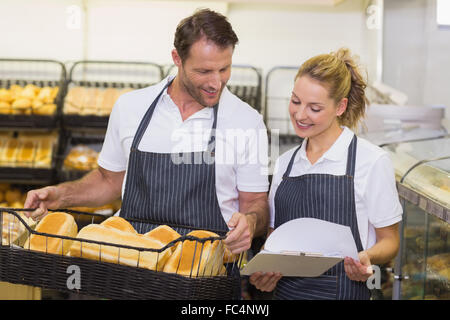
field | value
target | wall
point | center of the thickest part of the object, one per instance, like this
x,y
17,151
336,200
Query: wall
x,y
270,34
416,53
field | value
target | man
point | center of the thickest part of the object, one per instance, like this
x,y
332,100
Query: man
x,y
152,148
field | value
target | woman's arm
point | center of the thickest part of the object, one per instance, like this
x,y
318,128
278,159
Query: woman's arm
x,y
384,250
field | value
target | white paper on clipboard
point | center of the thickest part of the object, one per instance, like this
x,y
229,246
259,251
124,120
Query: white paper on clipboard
x,y
304,247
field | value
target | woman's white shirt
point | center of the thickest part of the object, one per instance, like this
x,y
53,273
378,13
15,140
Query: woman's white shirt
x,y
376,198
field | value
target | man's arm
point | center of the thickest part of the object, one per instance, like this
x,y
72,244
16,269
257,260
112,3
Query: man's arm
x,y
251,221
97,188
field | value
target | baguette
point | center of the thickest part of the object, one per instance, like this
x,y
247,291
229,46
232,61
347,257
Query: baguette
x,y
193,258
145,259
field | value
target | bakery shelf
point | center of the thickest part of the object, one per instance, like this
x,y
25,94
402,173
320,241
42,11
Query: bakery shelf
x,y
245,82
28,157
102,279
29,113
278,91
93,87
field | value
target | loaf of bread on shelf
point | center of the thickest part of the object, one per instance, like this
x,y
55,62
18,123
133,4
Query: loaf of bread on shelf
x,y
119,223
197,259
131,257
44,151
74,100
8,156
5,95
55,223
165,234
5,107
25,155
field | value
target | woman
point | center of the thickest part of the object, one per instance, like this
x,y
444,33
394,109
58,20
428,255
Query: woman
x,y
334,176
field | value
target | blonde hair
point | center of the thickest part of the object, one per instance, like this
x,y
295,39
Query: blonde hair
x,y
339,72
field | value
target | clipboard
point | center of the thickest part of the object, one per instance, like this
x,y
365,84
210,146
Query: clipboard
x,y
290,264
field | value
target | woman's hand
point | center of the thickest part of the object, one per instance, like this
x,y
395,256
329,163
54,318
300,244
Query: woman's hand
x,y
358,270
265,281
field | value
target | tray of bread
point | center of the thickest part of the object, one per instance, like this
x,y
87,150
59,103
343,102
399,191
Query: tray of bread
x,y
94,87
28,156
112,260
31,93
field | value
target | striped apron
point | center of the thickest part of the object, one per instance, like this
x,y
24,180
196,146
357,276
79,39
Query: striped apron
x,y
330,198
177,189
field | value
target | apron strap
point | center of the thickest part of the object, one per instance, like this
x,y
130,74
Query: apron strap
x,y
146,119
351,158
149,113
291,162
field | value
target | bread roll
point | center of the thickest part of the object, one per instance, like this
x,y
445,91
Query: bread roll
x,y
22,103
46,109
5,107
5,95
57,223
119,223
193,258
130,257
13,195
165,234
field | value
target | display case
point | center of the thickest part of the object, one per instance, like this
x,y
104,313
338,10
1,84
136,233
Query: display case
x,y
422,267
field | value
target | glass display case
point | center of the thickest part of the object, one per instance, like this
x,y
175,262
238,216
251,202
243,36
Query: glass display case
x,y
422,267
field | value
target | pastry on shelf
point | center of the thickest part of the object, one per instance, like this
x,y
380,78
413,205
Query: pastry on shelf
x,y
81,158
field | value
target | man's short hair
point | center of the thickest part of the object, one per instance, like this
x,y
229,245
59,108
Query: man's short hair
x,y
203,23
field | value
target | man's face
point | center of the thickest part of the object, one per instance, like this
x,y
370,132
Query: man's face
x,y
205,72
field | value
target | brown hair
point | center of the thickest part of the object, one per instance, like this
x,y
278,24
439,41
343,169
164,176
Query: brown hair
x,y
203,23
342,76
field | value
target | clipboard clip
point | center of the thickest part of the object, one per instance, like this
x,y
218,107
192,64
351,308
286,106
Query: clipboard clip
x,y
306,254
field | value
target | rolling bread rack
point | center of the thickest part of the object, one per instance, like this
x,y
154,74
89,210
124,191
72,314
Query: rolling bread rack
x,y
21,265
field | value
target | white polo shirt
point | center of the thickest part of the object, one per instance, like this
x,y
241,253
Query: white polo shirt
x,y
376,198
241,140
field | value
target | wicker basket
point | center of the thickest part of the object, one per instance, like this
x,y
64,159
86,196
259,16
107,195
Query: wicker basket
x,y
109,280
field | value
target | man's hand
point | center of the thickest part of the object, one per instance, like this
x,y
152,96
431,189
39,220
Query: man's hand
x,y
41,199
240,237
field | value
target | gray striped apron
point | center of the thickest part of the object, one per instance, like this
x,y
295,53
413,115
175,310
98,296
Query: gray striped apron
x,y
174,189
330,198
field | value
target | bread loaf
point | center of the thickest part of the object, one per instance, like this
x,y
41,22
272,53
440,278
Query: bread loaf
x,y
57,223
147,259
165,234
13,228
119,223
196,259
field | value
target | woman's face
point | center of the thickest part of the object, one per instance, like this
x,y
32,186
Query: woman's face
x,y
311,109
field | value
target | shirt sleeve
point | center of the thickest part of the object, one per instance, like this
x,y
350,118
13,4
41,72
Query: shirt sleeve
x,y
381,196
252,167
112,156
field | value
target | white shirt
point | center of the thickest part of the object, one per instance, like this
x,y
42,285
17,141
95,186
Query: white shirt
x,y
241,140
376,198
